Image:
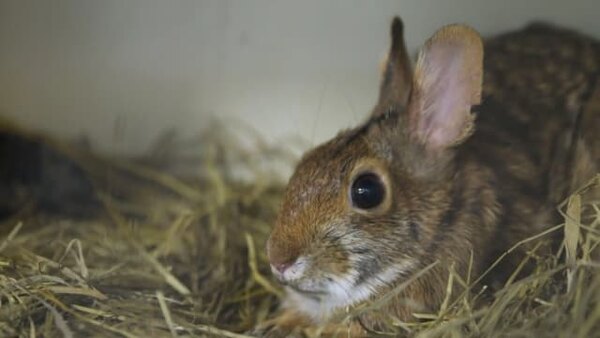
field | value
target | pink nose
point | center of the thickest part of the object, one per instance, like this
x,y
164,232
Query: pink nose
x,y
281,267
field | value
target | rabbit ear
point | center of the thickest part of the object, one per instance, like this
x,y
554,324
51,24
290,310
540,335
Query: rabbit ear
x,y
397,74
447,83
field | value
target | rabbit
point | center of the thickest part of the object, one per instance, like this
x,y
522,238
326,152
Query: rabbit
x,y
461,157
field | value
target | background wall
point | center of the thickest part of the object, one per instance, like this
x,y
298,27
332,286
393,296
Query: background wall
x,y
123,71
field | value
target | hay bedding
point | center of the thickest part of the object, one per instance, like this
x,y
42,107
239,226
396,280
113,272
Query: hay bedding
x,y
172,245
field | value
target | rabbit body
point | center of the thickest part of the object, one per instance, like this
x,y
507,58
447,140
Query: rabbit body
x,y
466,155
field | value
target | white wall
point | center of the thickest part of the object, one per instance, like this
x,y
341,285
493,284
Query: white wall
x,y
123,71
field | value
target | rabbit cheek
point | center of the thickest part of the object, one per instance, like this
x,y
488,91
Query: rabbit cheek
x,y
326,265
334,261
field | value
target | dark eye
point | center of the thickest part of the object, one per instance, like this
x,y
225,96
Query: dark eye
x,y
367,191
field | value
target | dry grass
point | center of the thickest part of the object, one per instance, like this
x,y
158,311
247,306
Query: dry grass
x,y
177,250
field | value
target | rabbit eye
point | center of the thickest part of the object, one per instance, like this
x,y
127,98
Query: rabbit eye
x,y
367,191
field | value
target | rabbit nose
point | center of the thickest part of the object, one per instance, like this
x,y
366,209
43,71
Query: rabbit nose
x,y
281,267
281,256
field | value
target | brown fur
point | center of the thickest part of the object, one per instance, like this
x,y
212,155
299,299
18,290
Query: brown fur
x,y
458,196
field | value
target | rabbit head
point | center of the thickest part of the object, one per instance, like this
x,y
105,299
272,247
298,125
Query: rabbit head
x,y
362,210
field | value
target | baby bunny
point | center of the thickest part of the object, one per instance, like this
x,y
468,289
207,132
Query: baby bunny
x,y
419,186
